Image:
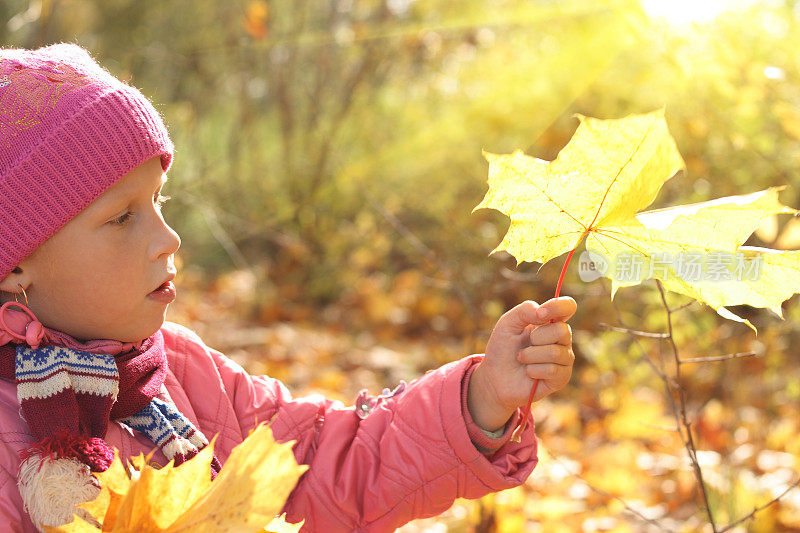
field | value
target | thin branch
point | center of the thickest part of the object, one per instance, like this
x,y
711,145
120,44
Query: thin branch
x,y
669,385
606,494
760,508
401,228
634,332
644,357
515,275
225,240
682,307
426,251
651,335
714,358
660,371
679,409
690,446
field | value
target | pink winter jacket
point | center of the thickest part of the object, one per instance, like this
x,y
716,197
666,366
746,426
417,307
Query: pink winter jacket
x,y
408,456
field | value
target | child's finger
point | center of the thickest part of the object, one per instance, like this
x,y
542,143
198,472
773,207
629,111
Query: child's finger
x,y
551,353
521,317
557,309
549,372
555,333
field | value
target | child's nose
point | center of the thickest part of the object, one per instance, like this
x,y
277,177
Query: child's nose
x,y
167,242
174,239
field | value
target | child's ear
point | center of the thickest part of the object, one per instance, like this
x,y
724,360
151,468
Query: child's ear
x,y
15,282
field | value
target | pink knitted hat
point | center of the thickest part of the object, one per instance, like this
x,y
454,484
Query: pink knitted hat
x,y
68,131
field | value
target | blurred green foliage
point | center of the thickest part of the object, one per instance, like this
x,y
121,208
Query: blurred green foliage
x,y
323,143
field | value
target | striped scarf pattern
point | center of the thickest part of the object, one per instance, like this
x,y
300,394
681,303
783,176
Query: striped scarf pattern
x,y
67,396
177,437
59,386
66,391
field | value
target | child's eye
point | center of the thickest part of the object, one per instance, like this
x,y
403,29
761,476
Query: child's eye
x,y
122,219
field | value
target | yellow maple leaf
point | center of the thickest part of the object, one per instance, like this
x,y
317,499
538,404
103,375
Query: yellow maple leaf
x,y
722,224
247,495
159,496
695,250
250,490
609,170
280,525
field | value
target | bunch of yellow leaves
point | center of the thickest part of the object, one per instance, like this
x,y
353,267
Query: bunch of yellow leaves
x,y
595,190
247,495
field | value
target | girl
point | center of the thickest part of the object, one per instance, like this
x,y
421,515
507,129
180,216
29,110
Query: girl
x,y
87,363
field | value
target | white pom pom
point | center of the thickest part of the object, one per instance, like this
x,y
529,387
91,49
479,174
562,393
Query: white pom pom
x,y
50,493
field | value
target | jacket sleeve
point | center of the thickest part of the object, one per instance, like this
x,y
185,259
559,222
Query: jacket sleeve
x,y
406,455
11,512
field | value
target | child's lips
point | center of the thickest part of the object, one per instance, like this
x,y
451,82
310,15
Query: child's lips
x,y
165,293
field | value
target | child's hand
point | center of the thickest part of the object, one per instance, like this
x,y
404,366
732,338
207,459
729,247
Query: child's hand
x,y
523,346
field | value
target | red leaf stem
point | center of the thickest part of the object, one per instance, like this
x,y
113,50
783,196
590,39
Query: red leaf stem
x,y
526,413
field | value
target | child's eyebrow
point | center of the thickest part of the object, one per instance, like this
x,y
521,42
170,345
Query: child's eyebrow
x,y
117,200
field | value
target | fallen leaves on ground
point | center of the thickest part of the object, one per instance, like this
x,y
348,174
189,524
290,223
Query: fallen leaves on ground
x,y
610,422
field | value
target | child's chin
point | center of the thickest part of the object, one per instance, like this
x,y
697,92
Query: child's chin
x,y
145,332
139,334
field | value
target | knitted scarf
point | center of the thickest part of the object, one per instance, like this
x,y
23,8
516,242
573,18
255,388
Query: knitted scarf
x,y
68,391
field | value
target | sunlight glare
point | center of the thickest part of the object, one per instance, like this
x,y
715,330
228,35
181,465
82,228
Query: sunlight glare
x,y
685,12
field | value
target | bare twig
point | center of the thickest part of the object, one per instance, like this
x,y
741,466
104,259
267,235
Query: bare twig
x,y
684,425
515,275
668,382
715,358
652,335
225,240
681,307
634,332
684,419
760,508
606,494
426,251
645,357
401,228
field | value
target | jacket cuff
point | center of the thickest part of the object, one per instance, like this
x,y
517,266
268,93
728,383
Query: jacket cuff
x,y
510,464
487,442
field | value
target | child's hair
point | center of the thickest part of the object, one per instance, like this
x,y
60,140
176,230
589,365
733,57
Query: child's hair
x,y
68,131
